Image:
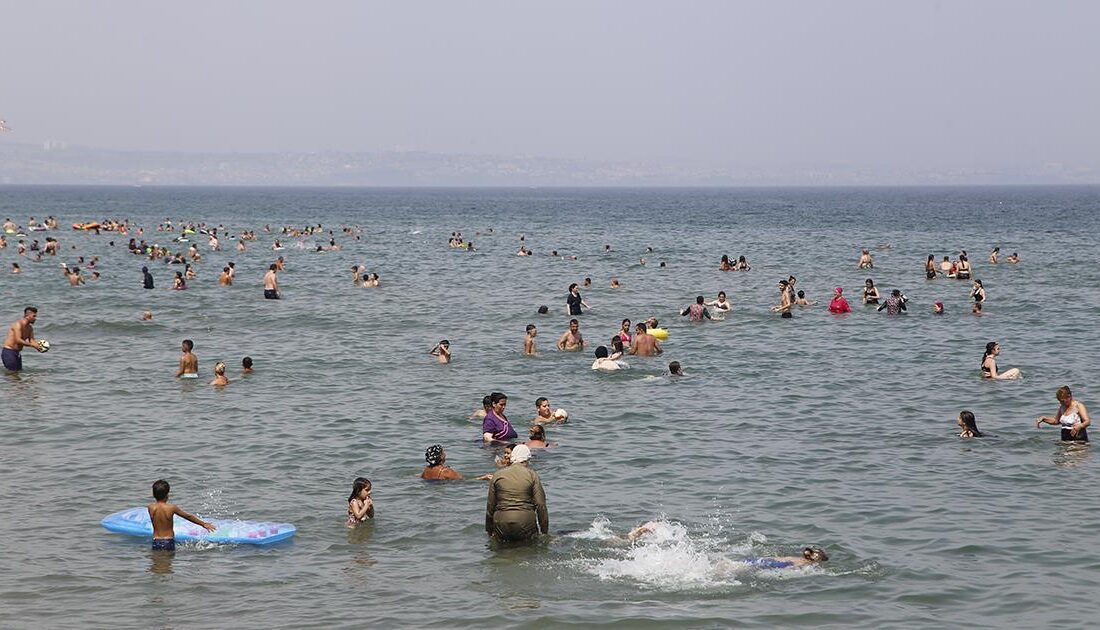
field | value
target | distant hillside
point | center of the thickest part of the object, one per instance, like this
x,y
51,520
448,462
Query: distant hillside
x,y
55,163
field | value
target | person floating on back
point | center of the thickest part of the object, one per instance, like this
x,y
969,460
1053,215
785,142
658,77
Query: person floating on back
x,y
162,514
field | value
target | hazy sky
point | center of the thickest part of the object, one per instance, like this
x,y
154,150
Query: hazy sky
x,y
917,83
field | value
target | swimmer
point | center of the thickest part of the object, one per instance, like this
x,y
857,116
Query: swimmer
x,y
993,255
615,283
189,363
178,283
574,302
838,303
147,316
895,304
721,304
603,362
442,351
496,427
674,369
505,458
989,364
220,379
624,331
930,267
617,348
946,266
976,309
870,292
810,555
1072,417
271,283
572,340
1013,258
696,312
20,335
486,406
587,282
937,308
545,415
246,365
725,264
977,292
544,310
742,264
360,504
438,470
226,279
785,302
800,300
865,261
536,437
162,516
968,425
962,272
529,340
644,344
15,268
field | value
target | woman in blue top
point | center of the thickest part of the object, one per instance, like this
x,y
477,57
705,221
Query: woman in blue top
x,y
495,427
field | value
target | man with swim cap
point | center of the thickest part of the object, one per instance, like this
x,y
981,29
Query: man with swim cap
x,y
271,284
20,334
516,507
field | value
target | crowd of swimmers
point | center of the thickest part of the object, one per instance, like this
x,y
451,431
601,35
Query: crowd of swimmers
x,y
516,507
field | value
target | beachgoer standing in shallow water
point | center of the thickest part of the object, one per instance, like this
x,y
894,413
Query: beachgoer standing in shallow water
x,y
644,344
574,302
271,283
698,311
895,304
495,427
785,301
994,254
529,340
989,364
870,292
360,503
162,516
865,261
516,507
572,340
1072,417
220,379
838,303
930,267
442,351
189,363
20,335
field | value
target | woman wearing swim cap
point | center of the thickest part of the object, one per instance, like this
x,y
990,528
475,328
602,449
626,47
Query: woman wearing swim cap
x,y
839,304
516,507
437,469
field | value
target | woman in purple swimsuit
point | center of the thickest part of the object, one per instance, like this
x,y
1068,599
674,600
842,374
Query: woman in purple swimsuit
x,y
495,427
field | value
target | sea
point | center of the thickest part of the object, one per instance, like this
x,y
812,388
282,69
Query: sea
x,y
825,430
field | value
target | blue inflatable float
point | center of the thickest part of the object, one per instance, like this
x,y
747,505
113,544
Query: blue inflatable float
x,y
135,522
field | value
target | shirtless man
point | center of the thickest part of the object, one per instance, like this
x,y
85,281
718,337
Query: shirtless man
x,y
571,340
20,334
529,340
644,344
226,279
271,285
73,274
189,363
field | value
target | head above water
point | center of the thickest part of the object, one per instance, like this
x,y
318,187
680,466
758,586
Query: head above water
x,y
359,485
537,432
434,455
675,369
601,352
246,363
219,368
160,490
814,554
1064,395
544,309
188,345
969,423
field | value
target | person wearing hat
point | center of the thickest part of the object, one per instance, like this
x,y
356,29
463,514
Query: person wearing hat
x,y
839,304
516,507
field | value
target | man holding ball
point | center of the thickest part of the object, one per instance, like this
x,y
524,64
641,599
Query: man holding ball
x,y
21,334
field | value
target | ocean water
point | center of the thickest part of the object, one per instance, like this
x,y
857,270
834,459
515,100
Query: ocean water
x,y
824,430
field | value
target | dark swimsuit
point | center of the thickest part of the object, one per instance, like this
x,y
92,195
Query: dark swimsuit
x,y
164,544
12,360
271,294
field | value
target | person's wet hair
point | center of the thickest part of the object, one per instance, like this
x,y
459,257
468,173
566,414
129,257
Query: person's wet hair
x,y
360,484
530,327
699,299
160,489
544,309
601,352
246,362
969,422
814,554
190,345
487,401
540,400
537,432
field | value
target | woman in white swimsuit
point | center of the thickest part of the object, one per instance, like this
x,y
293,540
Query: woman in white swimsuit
x,y
1072,417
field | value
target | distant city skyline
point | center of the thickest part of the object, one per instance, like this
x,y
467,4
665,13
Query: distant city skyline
x,y
799,92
